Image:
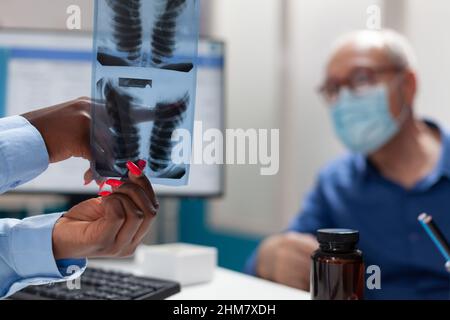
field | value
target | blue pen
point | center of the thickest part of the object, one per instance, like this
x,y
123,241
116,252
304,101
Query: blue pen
x,y
436,236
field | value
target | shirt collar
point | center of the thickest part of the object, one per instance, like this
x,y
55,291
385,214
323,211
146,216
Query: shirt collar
x,y
442,169
443,166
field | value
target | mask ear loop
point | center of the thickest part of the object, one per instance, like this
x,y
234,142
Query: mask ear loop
x,y
401,118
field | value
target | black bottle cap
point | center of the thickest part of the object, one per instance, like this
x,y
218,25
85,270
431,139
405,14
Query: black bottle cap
x,y
341,236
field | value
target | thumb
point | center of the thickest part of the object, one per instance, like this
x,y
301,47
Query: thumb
x,y
90,176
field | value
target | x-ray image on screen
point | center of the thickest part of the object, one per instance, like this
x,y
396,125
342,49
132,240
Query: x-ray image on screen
x,y
144,85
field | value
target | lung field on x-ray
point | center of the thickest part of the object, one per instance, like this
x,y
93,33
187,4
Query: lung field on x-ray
x,y
124,130
127,26
168,116
164,32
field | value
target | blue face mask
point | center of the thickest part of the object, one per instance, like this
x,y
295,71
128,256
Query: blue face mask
x,y
363,122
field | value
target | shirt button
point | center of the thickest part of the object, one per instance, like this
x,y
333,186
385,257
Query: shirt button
x,y
15,184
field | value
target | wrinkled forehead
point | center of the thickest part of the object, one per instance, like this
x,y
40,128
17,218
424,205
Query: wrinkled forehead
x,y
351,55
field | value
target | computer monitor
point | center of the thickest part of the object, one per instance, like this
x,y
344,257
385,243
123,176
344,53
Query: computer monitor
x,y
44,68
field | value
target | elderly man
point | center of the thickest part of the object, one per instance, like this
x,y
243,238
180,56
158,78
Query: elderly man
x,y
398,167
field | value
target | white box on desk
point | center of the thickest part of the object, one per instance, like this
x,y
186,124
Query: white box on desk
x,y
184,263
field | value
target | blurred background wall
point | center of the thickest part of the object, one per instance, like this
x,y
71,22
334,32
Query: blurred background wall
x,y
276,50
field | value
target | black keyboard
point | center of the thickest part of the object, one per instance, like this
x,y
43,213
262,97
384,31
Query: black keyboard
x,y
99,284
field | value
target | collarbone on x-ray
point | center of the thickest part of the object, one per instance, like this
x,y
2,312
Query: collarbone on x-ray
x,y
144,85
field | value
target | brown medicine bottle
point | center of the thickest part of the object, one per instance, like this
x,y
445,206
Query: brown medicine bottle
x,y
337,270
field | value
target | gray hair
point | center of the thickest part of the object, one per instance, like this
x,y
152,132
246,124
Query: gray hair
x,y
396,46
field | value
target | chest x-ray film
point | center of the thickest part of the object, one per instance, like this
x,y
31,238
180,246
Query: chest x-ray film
x,y
144,83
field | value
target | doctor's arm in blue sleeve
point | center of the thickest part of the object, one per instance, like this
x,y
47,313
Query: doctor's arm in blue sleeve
x,y
39,249
315,214
26,255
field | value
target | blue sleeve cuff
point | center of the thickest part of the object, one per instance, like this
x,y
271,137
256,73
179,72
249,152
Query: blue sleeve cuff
x,y
23,153
69,267
31,247
30,255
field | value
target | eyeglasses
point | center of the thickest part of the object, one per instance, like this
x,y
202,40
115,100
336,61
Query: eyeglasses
x,y
359,80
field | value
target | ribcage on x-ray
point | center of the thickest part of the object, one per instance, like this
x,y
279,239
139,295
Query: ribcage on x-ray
x,y
142,35
124,130
127,25
164,31
127,35
168,116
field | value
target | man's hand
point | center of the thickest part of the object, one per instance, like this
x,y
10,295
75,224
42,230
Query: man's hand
x,y
286,259
65,129
109,226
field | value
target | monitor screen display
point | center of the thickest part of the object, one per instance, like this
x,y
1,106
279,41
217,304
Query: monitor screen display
x,y
40,69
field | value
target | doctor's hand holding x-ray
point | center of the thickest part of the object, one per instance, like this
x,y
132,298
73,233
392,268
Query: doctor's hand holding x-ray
x,y
39,249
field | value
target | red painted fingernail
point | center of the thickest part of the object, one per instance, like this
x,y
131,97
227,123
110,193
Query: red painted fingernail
x,y
134,169
104,193
141,164
114,183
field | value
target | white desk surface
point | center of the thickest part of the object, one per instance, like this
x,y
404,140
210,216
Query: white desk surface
x,y
226,285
